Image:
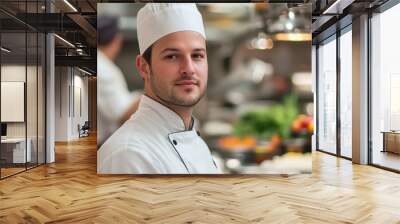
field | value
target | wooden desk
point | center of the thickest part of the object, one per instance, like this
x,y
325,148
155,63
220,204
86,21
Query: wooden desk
x,y
13,150
391,141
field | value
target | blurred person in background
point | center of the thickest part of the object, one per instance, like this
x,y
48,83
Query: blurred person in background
x,y
162,137
115,103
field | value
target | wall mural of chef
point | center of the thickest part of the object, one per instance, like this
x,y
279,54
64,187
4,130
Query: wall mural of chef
x,y
162,135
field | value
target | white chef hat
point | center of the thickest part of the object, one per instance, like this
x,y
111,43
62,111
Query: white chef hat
x,y
156,20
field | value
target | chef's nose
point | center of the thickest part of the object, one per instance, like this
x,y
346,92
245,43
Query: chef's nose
x,y
187,66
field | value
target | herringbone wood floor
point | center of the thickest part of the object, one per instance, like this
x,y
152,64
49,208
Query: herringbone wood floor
x,y
70,191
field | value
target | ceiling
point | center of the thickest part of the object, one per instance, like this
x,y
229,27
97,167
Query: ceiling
x,y
228,21
332,15
74,22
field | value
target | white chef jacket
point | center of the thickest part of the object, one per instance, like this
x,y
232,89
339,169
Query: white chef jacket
x,y
154,141
113,97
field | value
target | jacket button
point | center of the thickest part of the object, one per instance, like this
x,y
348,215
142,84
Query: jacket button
x,y
175,142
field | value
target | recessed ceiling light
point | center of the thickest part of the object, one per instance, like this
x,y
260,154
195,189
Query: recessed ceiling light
x,y
64,40
293,36
84,71
5,50
291,14
289,25
71,6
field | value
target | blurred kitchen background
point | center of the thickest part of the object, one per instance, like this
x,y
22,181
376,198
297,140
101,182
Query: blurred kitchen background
x,y
257,115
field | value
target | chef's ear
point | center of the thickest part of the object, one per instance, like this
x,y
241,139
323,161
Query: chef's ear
x,y
142,66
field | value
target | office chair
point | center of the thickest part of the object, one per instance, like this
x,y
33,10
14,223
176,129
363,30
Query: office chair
x,y
84,130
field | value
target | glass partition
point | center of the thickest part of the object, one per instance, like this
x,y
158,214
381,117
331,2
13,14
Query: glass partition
x,y
22,87
14,153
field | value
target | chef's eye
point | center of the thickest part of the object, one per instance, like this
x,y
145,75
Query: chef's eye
x,y
198,56
171,57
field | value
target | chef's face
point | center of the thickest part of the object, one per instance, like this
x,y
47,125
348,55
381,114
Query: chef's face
x,y
179,69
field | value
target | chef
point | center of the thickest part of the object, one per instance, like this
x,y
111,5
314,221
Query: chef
x,y
115,103
162,137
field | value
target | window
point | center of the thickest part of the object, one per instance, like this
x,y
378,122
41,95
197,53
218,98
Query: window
x,y
346,93
385,89
327,96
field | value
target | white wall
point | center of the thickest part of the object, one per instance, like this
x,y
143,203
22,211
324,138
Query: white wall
x,y
70,84
62,80
80,89
17,73
33,126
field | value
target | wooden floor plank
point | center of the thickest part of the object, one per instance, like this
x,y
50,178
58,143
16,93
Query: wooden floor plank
x,y
70,191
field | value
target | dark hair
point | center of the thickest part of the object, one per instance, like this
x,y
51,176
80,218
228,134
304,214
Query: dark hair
x,y
147,54
107,29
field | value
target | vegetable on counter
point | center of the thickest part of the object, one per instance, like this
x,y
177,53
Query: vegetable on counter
x,y
303,125
237,143
267,122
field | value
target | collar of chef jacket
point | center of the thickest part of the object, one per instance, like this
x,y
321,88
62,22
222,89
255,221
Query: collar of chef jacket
x,y
192,150
172,121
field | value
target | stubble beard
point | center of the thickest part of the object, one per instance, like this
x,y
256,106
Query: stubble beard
x,y
170,98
